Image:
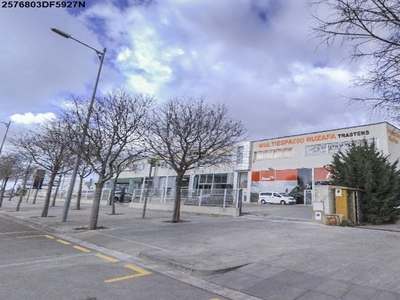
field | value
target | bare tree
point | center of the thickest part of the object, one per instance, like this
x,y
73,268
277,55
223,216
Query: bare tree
x,y
10,167
119,167
60,175
46,148
27,168
187,133
28,171
83,172
372,29
116,127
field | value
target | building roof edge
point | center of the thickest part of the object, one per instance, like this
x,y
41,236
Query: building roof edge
x,y
315,132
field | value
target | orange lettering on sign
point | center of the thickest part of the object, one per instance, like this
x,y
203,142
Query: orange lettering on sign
x,y
393,140
298,140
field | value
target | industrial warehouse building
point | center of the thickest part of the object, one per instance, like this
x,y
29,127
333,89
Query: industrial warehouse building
x,y
291,163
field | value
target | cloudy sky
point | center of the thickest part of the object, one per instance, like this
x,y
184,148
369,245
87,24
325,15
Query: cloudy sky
x,y
257,56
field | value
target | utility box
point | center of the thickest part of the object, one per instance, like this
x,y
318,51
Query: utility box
x,y
334,204
341,203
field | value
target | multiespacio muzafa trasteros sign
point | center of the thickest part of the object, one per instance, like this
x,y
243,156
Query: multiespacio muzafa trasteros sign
x,y
313,138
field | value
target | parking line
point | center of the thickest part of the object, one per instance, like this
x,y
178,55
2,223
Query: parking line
x,y
63,242
30,236
108,258
140,272
82,249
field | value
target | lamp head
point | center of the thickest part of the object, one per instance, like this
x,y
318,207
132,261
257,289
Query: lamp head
x,y
62,33
152,160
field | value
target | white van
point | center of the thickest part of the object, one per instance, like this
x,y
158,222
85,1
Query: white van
x,y
275,197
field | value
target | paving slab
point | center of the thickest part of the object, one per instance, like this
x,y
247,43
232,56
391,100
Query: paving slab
x,y
312,295
357,292
236,280
333,288
260,270
269,289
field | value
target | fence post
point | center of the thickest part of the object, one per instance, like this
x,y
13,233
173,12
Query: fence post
x,y
200,197
224,197
142,190
237,196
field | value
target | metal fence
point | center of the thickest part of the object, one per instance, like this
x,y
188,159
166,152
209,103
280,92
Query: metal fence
x,y
215,197
204,197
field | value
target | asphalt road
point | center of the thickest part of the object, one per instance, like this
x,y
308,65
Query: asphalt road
x,y
37,265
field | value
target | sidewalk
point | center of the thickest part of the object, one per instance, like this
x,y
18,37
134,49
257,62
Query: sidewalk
x,y
261,256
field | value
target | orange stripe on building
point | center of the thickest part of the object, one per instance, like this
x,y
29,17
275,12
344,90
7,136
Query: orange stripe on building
x,y
268,175
272,175
289,174
255,176
322,174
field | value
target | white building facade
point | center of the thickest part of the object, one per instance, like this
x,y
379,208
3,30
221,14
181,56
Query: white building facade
x,y
296,163
293,164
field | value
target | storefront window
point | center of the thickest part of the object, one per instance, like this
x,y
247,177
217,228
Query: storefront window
x,y
275,153
213,181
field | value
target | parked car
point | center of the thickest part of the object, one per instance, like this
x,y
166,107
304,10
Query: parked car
x,y
127,197
8,195
210,200
275,198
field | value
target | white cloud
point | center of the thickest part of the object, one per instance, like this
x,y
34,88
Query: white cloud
x,y
29,118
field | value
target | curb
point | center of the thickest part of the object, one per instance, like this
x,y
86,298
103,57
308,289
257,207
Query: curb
x,y
35,225
156,257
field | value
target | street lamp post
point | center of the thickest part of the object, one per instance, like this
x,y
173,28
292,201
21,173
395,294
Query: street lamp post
x,y
152,162
5,135
85,125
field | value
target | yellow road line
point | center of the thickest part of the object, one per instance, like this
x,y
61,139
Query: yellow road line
x,y
49,236
63,242
82,249
137,269
30,236
140,272
108,258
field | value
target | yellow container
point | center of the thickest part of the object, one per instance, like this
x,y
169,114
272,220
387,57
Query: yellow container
x,y
341,205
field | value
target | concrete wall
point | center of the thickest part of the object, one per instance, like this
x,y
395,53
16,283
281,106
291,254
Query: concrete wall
x,y
325,196
210,210
324,203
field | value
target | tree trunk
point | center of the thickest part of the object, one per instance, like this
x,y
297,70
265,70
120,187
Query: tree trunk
x,y
34,196
28,194
13,189
94,216
48,194
79,196
53,203
23,189
21,196
112,193
3,188
177,204
112,206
